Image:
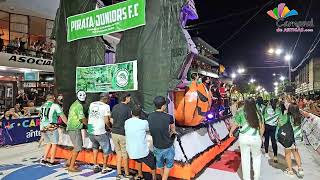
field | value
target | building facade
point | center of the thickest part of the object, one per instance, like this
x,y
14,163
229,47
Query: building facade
x,y
307,78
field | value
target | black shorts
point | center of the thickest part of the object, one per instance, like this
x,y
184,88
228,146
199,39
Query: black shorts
x,y
149,160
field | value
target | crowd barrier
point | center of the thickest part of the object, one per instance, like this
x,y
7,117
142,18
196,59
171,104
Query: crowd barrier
x,y
311,131
19,131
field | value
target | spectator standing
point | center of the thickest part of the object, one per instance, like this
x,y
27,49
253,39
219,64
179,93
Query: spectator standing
x,y
120,113
1,41
260,105
18,110
137,145
50,112
295,117
251,131
163,131
234,107
10,114
76,119
22,45
271,116
22,98
99,118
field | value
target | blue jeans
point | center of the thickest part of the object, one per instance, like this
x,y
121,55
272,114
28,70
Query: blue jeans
x,y
164,157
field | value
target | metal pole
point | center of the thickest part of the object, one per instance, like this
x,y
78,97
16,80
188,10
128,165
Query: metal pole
x,y
289,72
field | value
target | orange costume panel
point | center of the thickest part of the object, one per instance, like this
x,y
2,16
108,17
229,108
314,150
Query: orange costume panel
x,y
192,105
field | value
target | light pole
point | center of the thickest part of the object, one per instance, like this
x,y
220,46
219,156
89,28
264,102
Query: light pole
x,y
288,58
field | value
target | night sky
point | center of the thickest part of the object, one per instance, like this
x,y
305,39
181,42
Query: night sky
x,y
248,48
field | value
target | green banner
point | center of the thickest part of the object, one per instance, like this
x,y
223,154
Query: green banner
x,y
107,78
115,18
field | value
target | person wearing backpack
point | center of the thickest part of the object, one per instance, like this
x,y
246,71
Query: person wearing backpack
x,y
290,126
251,130
271,115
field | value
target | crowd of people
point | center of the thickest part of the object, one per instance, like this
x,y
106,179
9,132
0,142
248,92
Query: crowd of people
x,y
19,45
255,120
257,123
25,106
311,105
124,125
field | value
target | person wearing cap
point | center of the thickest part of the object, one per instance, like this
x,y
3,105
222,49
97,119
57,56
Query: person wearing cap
x,y
99,119
137,145
162,130
120,113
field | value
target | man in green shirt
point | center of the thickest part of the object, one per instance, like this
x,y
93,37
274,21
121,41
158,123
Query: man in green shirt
x,y
76,119
50,112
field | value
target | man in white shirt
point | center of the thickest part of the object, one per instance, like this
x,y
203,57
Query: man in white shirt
x,y
136,140
99,118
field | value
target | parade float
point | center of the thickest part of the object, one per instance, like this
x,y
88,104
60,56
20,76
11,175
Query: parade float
x,y
153,58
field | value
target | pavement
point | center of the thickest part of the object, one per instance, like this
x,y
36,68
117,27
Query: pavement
x,y
22,162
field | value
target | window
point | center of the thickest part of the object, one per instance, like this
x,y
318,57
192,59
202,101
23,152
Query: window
x,y
4,27
18,23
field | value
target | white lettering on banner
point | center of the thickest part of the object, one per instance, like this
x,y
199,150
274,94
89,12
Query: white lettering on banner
x,y
31,60
135,7
106,18
33,133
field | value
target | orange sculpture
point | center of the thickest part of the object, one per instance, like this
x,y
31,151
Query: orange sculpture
x,y
192,104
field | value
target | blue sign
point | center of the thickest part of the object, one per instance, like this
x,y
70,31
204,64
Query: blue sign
x,y
31,76
19,131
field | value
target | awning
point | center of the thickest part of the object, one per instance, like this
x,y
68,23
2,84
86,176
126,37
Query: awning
x,y
26,62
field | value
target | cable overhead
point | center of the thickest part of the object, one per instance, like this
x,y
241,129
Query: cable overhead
x,y
194,26
246,23
297,41
311,49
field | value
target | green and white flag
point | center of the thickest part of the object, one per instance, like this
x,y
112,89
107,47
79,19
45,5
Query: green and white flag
x,y
107,78
110,19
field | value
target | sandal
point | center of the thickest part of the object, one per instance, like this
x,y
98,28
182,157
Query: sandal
x,y
275,159
106,170
289,173
139,178
300,173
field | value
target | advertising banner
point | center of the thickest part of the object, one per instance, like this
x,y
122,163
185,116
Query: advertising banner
x,y
19,131
107,78
107,20
26,62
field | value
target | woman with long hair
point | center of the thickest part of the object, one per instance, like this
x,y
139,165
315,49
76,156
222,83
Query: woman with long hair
x,y
295,117
271,115
251,129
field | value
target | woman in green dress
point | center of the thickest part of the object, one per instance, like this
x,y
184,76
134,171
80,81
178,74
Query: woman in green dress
x,y
251,129
295,117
